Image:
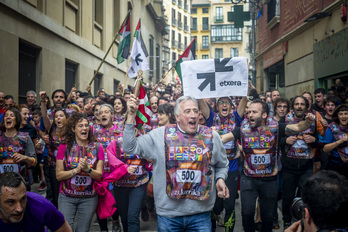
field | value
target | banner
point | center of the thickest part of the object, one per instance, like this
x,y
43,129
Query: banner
x,y
215,77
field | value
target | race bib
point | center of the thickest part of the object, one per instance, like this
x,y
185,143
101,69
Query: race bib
x,y
188,175
260,159
139,171
229,145
8,167
300,144
81,180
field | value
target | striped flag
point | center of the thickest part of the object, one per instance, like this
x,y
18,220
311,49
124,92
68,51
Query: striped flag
x,y
189,54
144,112
124,47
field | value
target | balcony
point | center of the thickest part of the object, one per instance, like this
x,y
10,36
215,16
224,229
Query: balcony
x,y
180,25
174,22
205,27
231,38
205,46
219,19
175,44
181,46
186,28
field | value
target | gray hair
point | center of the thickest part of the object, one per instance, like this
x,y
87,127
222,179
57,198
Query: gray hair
x,y
183,99
109,106
31,92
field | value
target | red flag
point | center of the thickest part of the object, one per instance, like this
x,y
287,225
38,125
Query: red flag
x,y
144,111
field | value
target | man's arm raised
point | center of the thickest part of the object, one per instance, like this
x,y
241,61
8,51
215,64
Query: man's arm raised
x,y
301,126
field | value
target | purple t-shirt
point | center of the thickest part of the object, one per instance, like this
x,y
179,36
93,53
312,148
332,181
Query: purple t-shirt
x,y
39,213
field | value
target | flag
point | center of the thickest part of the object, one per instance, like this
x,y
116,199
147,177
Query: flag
x,y
260,13
138,55
189,54
123,48
144,111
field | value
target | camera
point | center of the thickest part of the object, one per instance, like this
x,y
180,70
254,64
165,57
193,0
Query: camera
x,y
297,207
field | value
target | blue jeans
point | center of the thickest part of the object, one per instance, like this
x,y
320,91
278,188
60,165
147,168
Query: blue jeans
x,y
129,202
84,207
195,223
266,190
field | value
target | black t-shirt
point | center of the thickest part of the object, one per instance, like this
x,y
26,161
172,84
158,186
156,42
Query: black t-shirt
x,y
29,129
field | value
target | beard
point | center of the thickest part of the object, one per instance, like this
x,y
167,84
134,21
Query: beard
x,y
258,123
299,114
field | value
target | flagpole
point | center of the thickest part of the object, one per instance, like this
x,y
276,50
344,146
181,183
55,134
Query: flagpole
x,y
125,76
107,52
164,76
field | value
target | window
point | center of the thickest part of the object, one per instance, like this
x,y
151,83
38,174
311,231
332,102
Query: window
x,y
205,10
225,33
194,11
186,28
173,38
97,82
205,42
116,83
173,57
218,53
70,75
174,21
151,65
232,8
185,42
158,68
27,70
218,14
194,24
204,57
273,9
205,23
179,41
179,20
234,52
98,12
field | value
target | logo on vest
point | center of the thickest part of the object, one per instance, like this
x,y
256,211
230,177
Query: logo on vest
x,y
258,142
192,153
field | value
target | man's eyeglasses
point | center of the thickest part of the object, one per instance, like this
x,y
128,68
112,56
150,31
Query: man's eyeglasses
x,y
225,102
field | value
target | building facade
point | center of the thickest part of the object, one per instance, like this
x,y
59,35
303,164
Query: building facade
x,y
200,27
216,37
55,44
301,45
178,15
226,40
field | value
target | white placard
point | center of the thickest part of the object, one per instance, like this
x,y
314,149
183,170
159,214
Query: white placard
x,y
215,77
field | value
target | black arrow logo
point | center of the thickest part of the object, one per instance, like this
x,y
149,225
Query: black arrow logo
x,y
209,79
138,60
220,65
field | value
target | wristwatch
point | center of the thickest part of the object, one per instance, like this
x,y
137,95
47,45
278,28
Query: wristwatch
x,y
89,170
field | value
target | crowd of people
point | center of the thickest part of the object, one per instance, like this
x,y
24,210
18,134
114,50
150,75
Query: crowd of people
x,y
188,163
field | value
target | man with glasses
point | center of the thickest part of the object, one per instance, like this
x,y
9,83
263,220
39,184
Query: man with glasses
x,y
282,107
224,122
